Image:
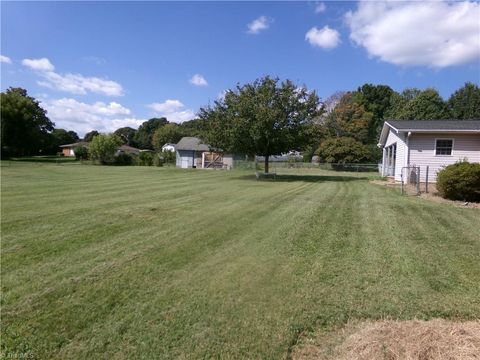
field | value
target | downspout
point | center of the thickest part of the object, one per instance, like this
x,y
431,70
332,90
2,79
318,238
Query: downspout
x,y
407,158
408,148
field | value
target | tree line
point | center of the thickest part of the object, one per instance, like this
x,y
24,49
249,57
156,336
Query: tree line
x,y
266,117
269,117
26,129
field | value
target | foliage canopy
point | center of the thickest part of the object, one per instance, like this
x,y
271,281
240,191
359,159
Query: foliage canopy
x,y
266,117
144,135
344,150
170,133
465,102
103,148
25,127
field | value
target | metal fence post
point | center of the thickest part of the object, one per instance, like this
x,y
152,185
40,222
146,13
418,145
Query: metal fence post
x,y
426,180
401,180
418,181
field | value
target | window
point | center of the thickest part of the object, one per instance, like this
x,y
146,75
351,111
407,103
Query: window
x,y
443,146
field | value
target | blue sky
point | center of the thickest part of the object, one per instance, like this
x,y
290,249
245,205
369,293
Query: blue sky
x,y
98,65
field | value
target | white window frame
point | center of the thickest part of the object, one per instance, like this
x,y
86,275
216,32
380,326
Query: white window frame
x,y
453,145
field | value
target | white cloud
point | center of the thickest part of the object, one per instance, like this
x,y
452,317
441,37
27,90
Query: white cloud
x,y
259,24
320,8
167,106
5,59
74,115
79,84
198,80
42,64
325,38
173,110
72,83
434,33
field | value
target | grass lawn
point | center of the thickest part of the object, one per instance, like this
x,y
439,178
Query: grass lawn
x,y
136,262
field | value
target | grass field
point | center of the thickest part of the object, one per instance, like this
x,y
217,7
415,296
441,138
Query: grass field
x,y
136,262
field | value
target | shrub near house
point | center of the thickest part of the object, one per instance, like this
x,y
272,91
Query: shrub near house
x,y
81,152
460,181
103,148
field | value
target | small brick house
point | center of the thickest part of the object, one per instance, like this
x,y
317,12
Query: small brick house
x,y
69,149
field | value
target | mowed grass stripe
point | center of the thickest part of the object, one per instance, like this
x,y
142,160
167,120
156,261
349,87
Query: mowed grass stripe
x,y
215,264
88,192
103,246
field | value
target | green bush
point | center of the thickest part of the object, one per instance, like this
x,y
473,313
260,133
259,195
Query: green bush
x,y
344,150
103,148
158,159
169,157
145,158
124,159
81,152
460,181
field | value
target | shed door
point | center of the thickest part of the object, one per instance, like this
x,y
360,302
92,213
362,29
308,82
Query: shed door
x,y
213,160
184,163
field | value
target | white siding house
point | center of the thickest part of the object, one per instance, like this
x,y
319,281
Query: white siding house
x,y
169,147
432,143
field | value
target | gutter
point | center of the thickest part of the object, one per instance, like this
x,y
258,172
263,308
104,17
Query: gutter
x,y
407,144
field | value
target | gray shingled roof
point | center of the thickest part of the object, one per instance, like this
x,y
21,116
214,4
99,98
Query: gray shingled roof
x,y
436,125
192,143
129,149
80,143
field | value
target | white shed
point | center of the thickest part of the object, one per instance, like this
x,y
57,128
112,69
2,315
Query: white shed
x,y
192,153
189,152
432,143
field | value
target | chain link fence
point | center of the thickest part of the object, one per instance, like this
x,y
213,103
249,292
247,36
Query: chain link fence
x,y
279,166
414,180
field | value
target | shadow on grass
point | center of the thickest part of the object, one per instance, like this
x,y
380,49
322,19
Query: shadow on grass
x,y
304,178
44,159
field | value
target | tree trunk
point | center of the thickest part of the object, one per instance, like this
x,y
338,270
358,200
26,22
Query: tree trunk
x,y
266,164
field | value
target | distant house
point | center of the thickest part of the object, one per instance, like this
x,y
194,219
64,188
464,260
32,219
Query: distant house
x,y
192,153
69,149
169,147
432,143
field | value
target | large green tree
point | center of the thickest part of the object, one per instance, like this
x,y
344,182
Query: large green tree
x,y
170,133
375,99
266,117
414,104
465,102
63,136
25,127
145,132
126,135
195,127
90,135
349,119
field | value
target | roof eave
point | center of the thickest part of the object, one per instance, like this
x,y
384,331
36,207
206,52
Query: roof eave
x,y
384,133
439,130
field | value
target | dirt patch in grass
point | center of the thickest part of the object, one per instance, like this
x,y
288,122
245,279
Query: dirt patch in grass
x,y
386,182
413,340
432,194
